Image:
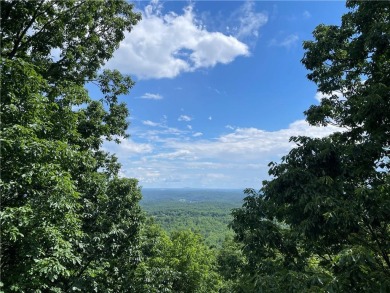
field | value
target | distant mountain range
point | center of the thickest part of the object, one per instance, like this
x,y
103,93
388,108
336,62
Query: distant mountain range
x,y
232,196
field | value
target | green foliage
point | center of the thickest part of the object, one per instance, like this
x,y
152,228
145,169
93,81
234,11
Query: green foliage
x,y
68,222
231,262
178,263
209,218
39,198
321,225
85,32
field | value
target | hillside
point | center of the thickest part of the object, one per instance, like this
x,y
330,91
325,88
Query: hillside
x,y
204,210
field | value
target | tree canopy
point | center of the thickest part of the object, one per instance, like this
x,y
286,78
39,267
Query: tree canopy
x,y
322,223
180,262
68,221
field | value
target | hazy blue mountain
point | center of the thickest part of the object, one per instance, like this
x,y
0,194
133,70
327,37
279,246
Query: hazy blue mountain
x,y
233,196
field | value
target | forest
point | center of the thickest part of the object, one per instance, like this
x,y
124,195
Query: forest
x,y
206,211
71,223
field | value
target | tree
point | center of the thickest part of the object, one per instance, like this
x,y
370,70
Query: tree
x,y
321,225
195,262
231,262
180,262
68,222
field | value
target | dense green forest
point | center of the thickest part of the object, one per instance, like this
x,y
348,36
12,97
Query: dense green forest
x,y
69,223
210,219
207,212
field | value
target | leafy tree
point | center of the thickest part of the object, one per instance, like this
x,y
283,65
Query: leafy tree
x,y
68,222
322,223
155,273
195,263
177,263
231,262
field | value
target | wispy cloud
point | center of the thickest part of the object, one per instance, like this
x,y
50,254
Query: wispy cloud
x,y
179,154
127,148
287,42
149,96
230,127
290,41
184,118
150,123
240,157
249,21
164,45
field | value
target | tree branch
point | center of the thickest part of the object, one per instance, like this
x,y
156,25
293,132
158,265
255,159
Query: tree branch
x,y
20,38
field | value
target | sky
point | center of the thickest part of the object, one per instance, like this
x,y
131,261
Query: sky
x,y
219,90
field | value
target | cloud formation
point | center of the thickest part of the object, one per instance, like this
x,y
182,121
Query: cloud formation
x,y
127,148
287,42
249,20
184,118
149,96
150,123
165,45
237,159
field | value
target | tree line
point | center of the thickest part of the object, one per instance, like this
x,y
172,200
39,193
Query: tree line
x,y
69,223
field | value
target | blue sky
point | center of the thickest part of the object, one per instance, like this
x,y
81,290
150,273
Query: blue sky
x,y
219,89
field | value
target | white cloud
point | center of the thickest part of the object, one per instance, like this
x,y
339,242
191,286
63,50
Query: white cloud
x,y
210,118
161,134
229,127
287,42
189,127
146,175
181,158
249,21
150,96
165,45
151,123
247,144
179,154
127,148
184,118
